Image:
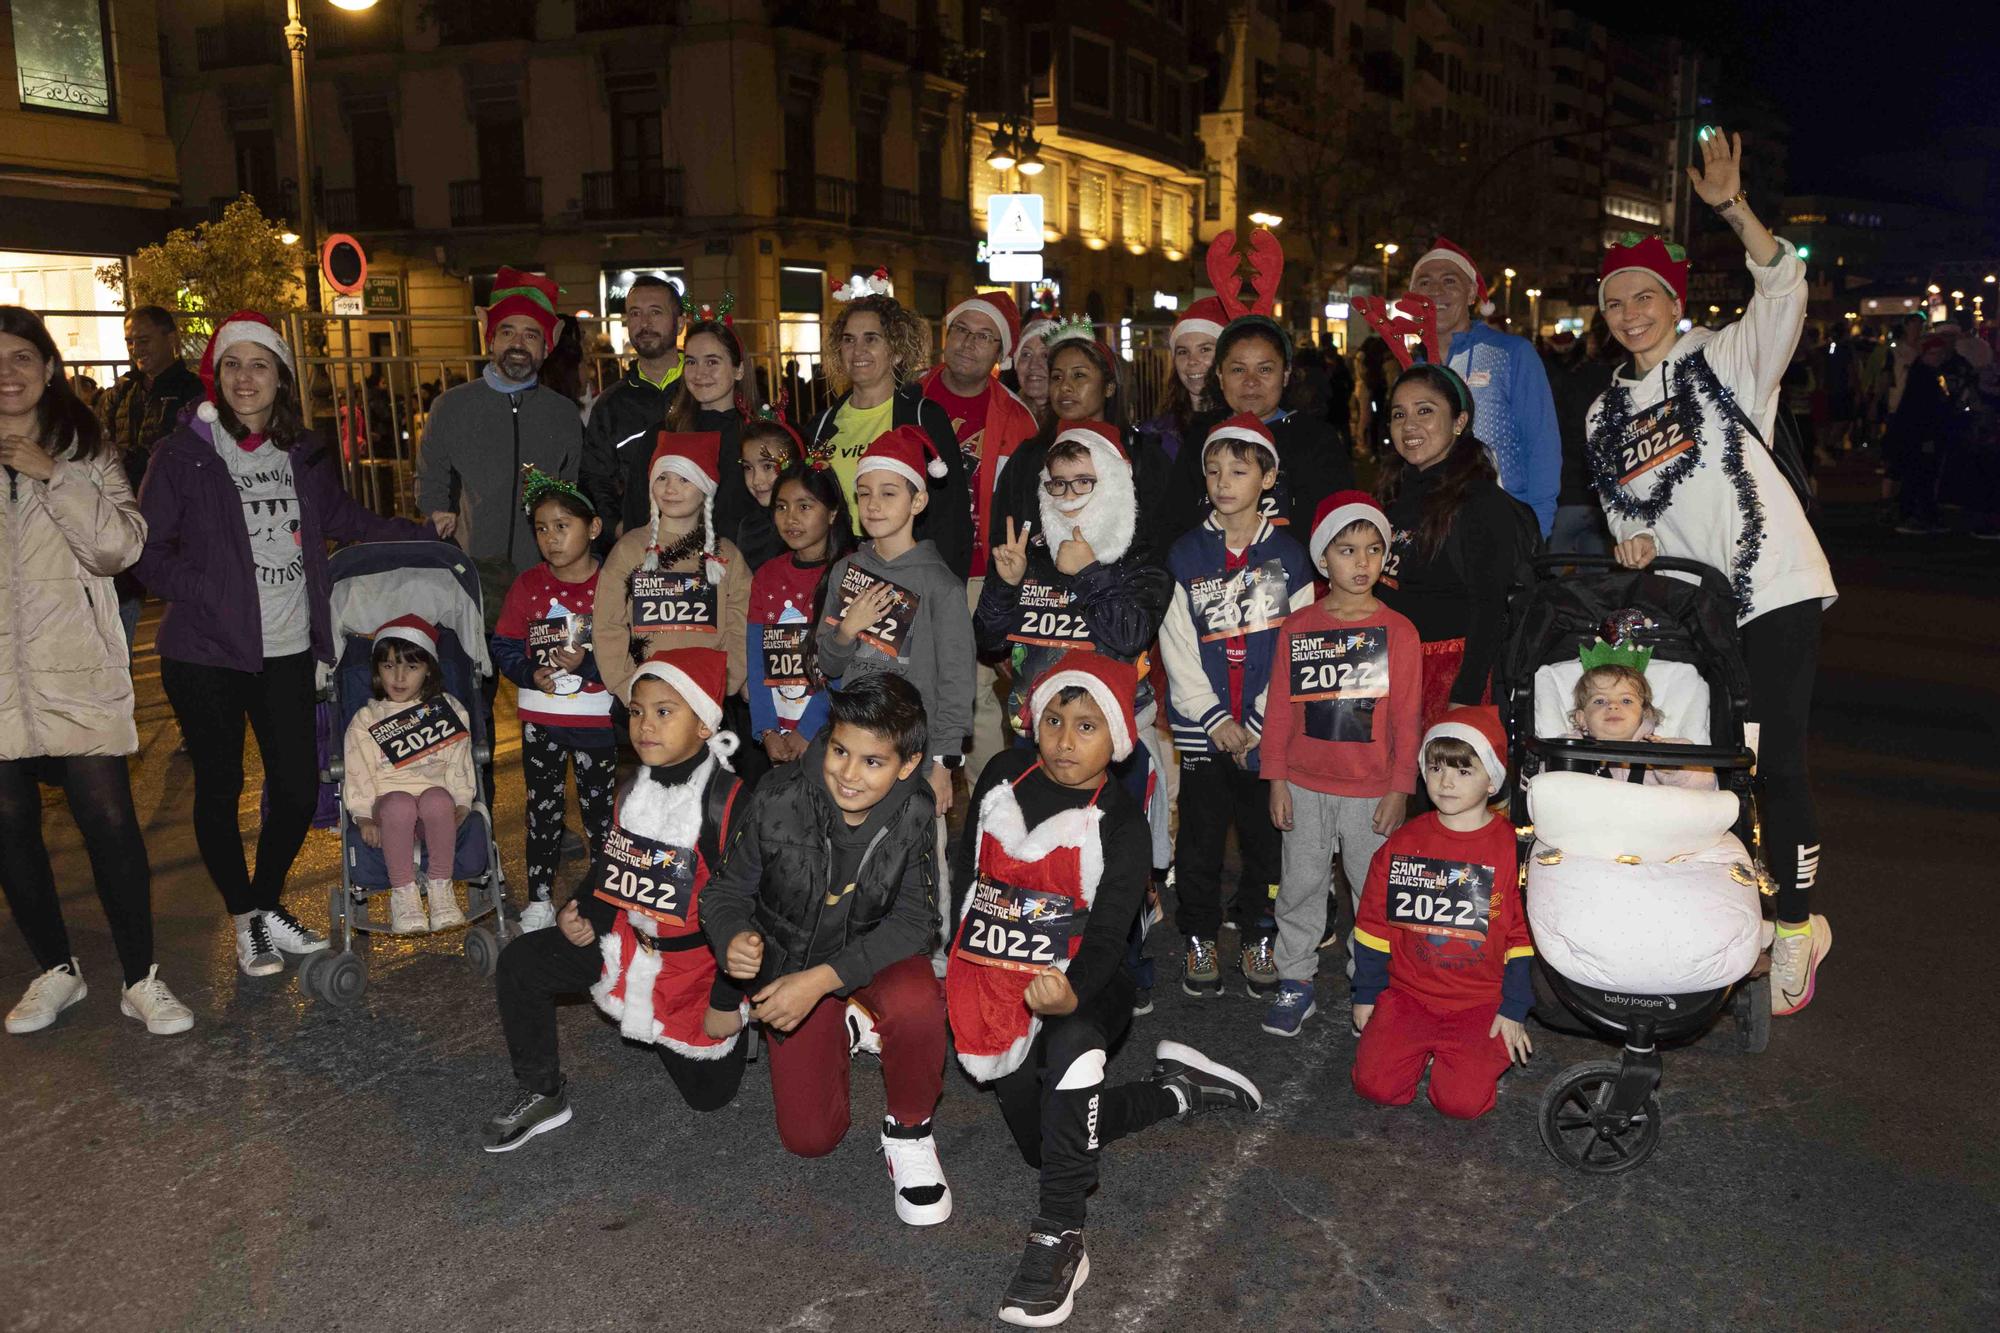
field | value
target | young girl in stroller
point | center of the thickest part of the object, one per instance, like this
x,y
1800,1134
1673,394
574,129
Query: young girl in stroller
x,y
1613,702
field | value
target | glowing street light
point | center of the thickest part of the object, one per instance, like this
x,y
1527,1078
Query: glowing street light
x,y
1508,311
1534,311
1388,249
1263,219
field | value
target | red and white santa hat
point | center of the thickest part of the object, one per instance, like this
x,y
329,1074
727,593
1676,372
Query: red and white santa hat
x,y
411,629
1245,426
906,451
1649,255
696,456
998,307
1112,684
701,677
1458,259
245,326
1340,509
1478,725
1204,317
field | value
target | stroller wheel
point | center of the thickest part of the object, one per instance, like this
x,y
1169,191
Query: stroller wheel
x,y
1582,1131
482,950
1752,1008
309,966
341,979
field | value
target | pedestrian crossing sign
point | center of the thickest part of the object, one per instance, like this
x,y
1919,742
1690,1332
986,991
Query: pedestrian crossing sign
x,y
1014,222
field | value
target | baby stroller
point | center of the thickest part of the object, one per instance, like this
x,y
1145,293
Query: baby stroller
x,y
374,583
1645,908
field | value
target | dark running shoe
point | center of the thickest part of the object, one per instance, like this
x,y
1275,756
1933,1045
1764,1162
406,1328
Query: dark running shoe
x,y
1199,1083
1052,1267
532,1113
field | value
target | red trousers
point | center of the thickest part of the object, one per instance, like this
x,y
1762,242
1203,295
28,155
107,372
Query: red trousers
x,y
809,1064
1404,1032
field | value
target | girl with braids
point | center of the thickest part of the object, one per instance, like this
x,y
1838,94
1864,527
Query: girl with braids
x,y
879,351
787,598
542,643
715,395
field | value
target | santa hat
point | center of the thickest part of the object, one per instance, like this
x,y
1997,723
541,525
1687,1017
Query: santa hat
x,y
1478,725
1111,684
1245,426
1458,259
1205,317
1338,510
518,293
245,326
1041,326
695,456
1652,256
998,307
411,629
701,677
906,451
1110,515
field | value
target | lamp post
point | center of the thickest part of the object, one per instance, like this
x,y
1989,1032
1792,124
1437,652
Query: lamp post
x,y
1387,248
1534,313
1510,275
295,39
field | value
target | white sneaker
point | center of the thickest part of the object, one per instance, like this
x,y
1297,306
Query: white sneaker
x,y
1795,961
538,915
149,1001
922,1197
862,1038
445,913
406,911
291,934
255,953
47,995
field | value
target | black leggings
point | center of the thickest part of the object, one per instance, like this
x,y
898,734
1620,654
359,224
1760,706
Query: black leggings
x,y
100,800
212,704
1781,650
545,762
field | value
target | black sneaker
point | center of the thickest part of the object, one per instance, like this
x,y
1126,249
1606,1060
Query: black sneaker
x,y
1052,1267
1199,1083
532,1113
1142,1001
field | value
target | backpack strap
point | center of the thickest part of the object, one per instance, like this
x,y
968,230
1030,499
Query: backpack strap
x,y
718,806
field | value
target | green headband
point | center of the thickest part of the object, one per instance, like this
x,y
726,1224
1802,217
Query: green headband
x,y
1601,654
537,486
535,294
1459,390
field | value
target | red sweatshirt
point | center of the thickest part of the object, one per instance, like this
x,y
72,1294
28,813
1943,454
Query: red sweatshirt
x,y
1344,715
1444,910
531,617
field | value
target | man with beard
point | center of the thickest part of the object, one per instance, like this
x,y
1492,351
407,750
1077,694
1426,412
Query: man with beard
x,y
481,434
618,438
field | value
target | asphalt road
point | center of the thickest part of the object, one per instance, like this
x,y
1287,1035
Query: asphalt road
x,y
285,1165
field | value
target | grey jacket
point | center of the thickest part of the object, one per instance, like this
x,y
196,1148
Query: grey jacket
x,y
936,654
475,444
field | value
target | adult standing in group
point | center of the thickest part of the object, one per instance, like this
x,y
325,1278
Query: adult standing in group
x,y
879,353
239,504
1510,386
142,409
1578,373
716,394
483,433
1031,364
69,523
1678,448
1192,344
618,438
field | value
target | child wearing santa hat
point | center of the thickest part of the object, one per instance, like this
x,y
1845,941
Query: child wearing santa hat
x,y
1442,951
632,936
408,757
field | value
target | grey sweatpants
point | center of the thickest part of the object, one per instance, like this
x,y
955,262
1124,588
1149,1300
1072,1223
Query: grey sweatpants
x,y
1321,824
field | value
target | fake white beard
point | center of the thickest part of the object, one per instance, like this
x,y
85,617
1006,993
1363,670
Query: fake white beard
x,y
1108,517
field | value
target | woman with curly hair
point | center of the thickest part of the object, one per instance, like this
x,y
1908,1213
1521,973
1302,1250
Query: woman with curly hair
x,y
877,352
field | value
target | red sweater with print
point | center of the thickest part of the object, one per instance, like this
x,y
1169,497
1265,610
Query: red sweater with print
x,y
528,602
1351,745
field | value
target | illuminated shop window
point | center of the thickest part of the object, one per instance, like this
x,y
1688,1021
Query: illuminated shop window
x,y
61,56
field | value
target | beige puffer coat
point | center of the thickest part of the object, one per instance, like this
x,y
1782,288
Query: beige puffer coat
x,y
65,683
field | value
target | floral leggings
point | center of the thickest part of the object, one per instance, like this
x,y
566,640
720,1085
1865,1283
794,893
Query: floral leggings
x,y
543,761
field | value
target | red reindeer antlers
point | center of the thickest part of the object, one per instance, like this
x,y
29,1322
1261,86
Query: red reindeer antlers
x,y
1398,322
1222,274
1267,267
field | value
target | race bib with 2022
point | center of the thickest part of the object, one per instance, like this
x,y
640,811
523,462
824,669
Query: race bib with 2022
x,y
662,602
1025,930
1434,896
648,877
891,630
1241,602
1048,617
417,732
1339,675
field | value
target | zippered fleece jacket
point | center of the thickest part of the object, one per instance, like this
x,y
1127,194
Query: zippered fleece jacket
x,y
475,444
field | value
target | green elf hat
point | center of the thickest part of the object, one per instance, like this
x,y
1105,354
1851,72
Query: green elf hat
x,y
537,486
518,293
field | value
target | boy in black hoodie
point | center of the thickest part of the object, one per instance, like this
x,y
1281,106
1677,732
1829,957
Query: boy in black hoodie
x,y
830,892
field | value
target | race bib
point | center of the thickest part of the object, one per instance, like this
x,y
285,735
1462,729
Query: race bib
x,y
1338,675
1048,618
1240,603
1655,437
648,877
785,656
1024,930
417,733
1439,897
557,634
662,601
892,631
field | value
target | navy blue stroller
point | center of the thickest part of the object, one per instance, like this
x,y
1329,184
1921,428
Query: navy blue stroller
x,y
372,584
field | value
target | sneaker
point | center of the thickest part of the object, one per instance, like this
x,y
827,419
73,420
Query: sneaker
x,y
1142,1001
862,1038
1332,931
538,915
47,996
1199,1083
406,911
532,1113
1260,966
1290,1008
922,1197
1795,961
149,1001
1043,1288
1201,974
291,934
445,912
255,953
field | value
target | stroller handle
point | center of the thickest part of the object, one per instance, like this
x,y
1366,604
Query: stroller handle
x,y
1549,563
1651,754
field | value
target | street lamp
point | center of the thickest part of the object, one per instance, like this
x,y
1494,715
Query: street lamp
x,y
1387,248
1510,275
1262,219
295,38
1534,312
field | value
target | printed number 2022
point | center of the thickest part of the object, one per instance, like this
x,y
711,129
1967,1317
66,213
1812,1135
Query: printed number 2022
x,y
1336,676
1439,911
1007,942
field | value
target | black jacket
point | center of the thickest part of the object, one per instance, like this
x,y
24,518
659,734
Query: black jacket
x,y
1018,493
947,520
618,446
1459,590
777,874
1313,463
138,415
1577,381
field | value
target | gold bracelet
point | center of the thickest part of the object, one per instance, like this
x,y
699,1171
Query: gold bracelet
x,y
1732,201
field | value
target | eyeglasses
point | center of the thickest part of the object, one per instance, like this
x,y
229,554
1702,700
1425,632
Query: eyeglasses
x,y
1061,486
978,338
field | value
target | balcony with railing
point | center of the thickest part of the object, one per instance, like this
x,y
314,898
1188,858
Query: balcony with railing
x,y
367,209
482,203
885,207
828,198
608,15
282,202
648,191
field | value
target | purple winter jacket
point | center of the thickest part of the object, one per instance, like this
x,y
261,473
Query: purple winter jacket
x,y
197,556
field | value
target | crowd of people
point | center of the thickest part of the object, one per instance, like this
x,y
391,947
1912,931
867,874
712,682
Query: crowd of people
x,y
775,658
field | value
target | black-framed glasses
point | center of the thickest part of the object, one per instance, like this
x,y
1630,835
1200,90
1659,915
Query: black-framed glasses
x,y
1077,486
978,338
